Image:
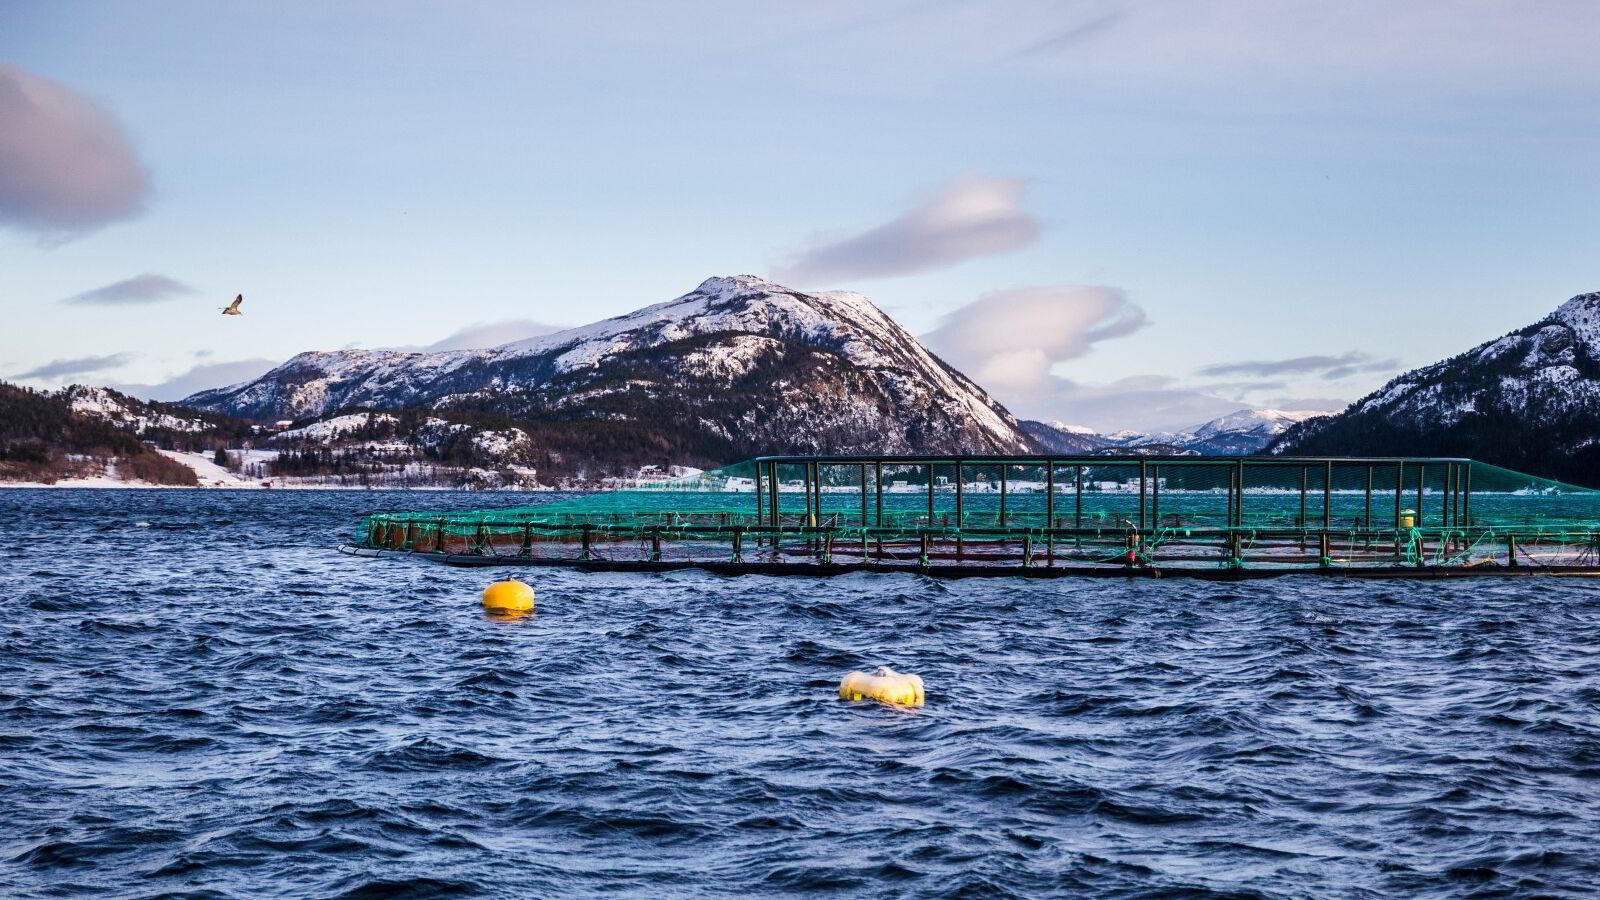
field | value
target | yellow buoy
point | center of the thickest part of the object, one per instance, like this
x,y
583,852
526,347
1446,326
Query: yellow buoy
x,y
883,684
510,596
1408,518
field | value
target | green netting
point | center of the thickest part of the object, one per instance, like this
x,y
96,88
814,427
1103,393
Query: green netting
x,y
1129,511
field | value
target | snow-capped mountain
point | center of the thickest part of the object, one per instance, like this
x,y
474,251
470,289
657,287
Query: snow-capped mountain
x,y
1059,437
1244,432
1239,433
738,366
1529,400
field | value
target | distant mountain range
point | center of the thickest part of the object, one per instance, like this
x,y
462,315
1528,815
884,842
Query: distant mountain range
x,y
1529,400
740,367
735,368
1239,433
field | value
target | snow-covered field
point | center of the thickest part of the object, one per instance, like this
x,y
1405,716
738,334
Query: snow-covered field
x,y
211,476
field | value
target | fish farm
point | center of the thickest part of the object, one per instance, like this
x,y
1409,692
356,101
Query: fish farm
x,y
1141,516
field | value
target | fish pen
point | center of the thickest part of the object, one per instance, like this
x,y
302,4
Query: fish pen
x,y
1041,516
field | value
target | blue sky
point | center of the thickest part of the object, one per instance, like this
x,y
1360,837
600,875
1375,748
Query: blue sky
x,y
1179,208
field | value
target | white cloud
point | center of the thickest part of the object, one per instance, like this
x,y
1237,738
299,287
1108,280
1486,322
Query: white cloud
x,y
146,288
200,378
965,218
1008,341
492,334
62,369
479,336
1472,41
1331,367
66,166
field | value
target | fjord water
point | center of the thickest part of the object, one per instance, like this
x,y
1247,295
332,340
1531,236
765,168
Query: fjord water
x,y
199,697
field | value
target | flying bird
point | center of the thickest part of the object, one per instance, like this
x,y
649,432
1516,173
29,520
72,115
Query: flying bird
x,y
232,309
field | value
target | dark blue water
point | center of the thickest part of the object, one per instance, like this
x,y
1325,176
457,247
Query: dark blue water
x,y
214,703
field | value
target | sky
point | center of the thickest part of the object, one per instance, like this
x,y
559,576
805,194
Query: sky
x,y
1118,213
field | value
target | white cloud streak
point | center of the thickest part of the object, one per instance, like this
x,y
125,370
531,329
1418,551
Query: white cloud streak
x,y
964,219
61,369
140,289
200,378
1008,341
492,334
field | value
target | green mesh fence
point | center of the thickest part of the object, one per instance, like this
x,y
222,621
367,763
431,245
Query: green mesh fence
x,y
1150,513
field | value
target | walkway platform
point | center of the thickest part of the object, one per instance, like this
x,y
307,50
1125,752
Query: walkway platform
x,y
959,516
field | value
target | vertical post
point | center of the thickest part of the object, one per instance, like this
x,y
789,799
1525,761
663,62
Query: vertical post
x,y
1466,498
961,510
805,491
1399,488
1327,495
772,481
1366,517
961,502
1050,495
1238,505
1142,473
877,482
655,543
1004,476
816,494
587,549
930,494
1233,477
1450,494
527,540
1422,472
1050,513
864,506
864,501
1155,495
1305,484
760,506
1077,512
1461,477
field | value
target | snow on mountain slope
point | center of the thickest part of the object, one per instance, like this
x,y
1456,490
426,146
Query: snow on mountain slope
x,y
1239,433
739,363
1059,437
1529,400
135,415
1264,422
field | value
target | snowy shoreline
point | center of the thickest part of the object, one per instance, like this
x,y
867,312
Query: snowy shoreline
x,y
212,477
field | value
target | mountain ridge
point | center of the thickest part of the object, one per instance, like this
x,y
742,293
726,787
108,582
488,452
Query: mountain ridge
x,y
736,367
1240,433
1528,400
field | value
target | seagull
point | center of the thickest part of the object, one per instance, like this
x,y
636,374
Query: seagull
x,y
232,309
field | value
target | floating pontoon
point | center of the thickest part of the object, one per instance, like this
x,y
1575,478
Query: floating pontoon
x,y
1205,516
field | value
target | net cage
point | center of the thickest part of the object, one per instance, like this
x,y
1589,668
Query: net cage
x,y
1060,515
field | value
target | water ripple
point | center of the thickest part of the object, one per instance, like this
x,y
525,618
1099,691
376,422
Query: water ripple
x,y
218,705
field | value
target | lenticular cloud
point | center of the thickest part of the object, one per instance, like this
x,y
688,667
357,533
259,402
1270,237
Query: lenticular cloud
x,y
965,218
66,166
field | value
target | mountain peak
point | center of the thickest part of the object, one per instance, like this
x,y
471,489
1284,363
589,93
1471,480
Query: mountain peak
x,y
1582,315
1265,422
723,284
